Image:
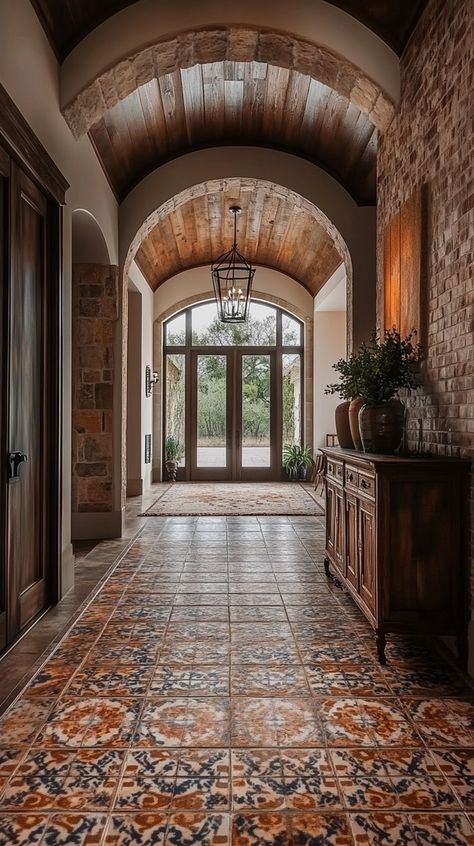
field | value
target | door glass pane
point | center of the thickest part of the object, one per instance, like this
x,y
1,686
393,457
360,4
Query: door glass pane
x,y
256,411
258,331
291,394
211,410
176,331
290,331
175,400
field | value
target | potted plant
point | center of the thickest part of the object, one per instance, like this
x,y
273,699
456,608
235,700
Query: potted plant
x,y
349,389
297,460
391,365
174,452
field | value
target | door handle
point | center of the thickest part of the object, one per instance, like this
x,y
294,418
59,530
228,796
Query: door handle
x,y
14,461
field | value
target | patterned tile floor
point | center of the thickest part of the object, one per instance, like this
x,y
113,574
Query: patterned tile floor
x,y
219,690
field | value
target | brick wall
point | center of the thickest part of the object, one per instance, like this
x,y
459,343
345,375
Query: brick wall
x,y
95,311
431,140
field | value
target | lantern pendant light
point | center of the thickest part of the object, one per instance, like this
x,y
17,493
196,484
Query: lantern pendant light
x,y
232,277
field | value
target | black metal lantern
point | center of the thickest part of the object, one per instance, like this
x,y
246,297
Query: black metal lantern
x,y
232,277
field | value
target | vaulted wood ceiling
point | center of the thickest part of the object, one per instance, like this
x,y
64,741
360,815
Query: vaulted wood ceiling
x,y
67,22
272,228
237,103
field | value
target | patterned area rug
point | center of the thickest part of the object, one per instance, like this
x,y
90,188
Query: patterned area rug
x,y
201,499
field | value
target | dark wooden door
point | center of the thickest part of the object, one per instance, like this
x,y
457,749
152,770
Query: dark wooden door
x,y
28,440
367,561
351,569
4,261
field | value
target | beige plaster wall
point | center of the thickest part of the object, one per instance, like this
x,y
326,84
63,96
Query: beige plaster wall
x,y
329,346
30,73
147,21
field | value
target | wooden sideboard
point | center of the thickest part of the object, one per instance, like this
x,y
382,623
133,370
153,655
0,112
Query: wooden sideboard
x,y
395,539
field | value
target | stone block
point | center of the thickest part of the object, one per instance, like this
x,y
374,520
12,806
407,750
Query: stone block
x,y
104,395
91,469
97,447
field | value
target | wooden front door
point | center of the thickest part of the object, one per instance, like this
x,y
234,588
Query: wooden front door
x,y
222,447
30,368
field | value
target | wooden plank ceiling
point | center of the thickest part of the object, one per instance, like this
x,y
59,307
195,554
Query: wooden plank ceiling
x,y
271,231
237,103
67,22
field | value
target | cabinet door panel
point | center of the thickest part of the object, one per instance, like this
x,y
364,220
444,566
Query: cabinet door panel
x,y
330,515
367,553
339,528
351,570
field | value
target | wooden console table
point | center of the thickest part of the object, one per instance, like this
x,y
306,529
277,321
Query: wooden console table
x,y
395,538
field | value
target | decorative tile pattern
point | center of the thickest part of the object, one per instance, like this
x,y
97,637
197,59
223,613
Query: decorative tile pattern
x,y
220,691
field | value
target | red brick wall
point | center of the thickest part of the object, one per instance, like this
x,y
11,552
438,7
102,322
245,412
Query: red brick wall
x,y
431,140
95,311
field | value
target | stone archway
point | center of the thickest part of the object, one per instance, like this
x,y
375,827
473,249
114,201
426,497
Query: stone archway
x,y
227,43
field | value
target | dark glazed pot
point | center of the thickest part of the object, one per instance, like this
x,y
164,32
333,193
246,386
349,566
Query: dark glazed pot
x,y
381,426
171,469
354,409
343,430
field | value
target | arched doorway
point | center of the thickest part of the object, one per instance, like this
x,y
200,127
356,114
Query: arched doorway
x,y
234,394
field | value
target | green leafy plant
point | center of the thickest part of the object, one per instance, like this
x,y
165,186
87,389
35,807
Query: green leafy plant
x,y
390,364
295,458
174,449
350,374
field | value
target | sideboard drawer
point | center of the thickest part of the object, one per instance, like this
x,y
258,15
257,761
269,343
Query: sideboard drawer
x,y
335,470
366,485
351,478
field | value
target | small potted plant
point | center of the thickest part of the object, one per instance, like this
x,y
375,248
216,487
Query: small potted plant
x,y
349,389
297,460
174,452
391,365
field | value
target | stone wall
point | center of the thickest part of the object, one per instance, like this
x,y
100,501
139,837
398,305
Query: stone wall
x,y
95,313
431,141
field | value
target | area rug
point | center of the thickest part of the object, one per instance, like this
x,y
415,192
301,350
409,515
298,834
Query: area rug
x,y
202,499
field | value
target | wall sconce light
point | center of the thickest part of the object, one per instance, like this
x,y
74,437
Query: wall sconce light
x,y
151,379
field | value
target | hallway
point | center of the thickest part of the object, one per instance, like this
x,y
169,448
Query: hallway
x,y
219,690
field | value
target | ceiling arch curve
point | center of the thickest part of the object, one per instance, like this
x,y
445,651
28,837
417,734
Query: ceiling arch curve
x,y
194,227
356,225
217,44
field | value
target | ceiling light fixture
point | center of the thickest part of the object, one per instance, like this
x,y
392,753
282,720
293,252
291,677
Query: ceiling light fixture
x,y
232,277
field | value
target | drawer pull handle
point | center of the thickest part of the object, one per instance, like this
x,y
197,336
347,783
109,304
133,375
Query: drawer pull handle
x,y
364,484
351,477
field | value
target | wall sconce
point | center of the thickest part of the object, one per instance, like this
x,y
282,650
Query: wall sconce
x,y
151,379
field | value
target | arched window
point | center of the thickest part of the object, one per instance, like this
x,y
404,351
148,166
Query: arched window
x,y
234,393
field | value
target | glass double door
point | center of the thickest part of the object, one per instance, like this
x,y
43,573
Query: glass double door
x,y
234,433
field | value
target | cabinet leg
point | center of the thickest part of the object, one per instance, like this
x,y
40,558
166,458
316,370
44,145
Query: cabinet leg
x,y
330,575
381,642
463,650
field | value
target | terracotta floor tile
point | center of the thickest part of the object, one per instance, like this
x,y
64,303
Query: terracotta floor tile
x,y
219,682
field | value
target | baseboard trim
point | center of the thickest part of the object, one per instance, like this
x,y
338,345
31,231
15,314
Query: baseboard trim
x,y
96,525
134,487
67,570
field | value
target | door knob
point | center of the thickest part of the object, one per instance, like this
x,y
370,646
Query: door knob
x,y
14,461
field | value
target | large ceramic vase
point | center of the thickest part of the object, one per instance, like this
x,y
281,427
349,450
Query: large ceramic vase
x,y
382,426
343,430
354,409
